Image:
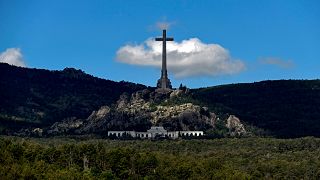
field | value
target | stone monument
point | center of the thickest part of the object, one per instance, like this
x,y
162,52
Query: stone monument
x,y
164,82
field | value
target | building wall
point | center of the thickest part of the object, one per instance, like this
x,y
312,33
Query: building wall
x,y
132,133
143,135
157,130
115,133
191,133
173,134
150,134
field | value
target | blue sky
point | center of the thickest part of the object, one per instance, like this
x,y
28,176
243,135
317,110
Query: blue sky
x,y
273,39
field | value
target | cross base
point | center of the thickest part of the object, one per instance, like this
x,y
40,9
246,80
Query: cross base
x,y
164,83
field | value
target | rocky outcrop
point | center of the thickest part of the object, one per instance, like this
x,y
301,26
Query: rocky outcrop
x,y
95,121
66,126
137,102
164,112
236,128
176,93
143,109
37,131
100,114
123,101
183,116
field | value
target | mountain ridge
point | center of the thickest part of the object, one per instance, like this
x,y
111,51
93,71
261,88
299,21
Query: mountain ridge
x,y
43,96
38,97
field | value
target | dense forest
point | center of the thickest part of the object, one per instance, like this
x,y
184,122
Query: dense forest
x,y
287,108
38,96
246,158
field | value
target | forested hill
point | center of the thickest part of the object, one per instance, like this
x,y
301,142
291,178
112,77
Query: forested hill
x,y
43,96
287,108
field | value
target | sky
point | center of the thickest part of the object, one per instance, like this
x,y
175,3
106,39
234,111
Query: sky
x,y
215,41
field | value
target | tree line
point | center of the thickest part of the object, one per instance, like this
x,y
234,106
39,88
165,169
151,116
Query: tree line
x,y
227,158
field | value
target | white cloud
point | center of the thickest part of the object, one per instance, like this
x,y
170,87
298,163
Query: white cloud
x,y
185,59
163,25
286,64
12,56
160,25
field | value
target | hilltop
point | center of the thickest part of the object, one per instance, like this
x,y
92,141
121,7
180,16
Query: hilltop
x,y
285,108
41,97
46,99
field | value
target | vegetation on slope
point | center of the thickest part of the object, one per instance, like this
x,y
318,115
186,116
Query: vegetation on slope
x,y
36,97
247,158
287,108
43,96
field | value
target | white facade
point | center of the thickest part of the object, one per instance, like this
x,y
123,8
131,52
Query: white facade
x,y
191,133
156,131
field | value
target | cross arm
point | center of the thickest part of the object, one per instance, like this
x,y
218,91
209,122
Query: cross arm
x,y
169,39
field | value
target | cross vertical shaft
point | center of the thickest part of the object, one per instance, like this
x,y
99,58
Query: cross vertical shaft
x,y
164,72
164,82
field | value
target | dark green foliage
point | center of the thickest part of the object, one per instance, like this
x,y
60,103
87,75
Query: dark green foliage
x,y
43,96
125,121
219,131
186,98
286,108
246,158
36,97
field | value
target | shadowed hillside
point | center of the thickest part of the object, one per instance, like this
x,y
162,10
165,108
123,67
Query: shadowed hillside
x,y
37,97
287,108
43,96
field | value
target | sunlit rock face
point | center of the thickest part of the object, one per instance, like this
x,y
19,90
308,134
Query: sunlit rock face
x,y
65,126
235,126
101,113
183,116
146,108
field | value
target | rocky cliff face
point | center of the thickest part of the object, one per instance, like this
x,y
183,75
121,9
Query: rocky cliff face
x,y
185,116
235,127
142,109
66,126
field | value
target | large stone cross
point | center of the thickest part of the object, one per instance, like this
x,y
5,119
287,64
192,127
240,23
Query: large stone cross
x,y
164,82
